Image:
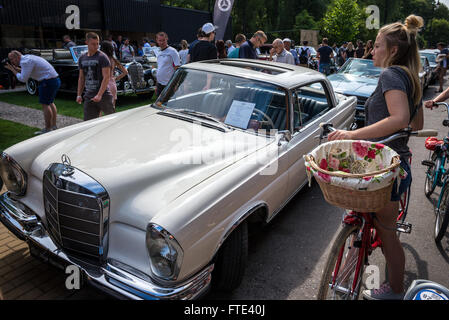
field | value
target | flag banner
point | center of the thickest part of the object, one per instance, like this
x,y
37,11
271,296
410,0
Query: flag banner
x,y
222,11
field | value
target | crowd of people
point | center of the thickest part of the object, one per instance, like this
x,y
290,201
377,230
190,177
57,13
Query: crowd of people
x,y
97,82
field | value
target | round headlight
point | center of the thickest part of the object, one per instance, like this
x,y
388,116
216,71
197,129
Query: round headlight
x,y
165,253
13,176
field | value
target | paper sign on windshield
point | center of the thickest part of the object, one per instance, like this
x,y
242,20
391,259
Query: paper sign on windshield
x,y
239,114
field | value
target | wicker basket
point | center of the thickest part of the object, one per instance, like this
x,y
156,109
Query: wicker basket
x,y
351,199
356,200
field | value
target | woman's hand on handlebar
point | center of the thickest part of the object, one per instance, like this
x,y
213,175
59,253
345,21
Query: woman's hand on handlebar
x,y
340,135
430,104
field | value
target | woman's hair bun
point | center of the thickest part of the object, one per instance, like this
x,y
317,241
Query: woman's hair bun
x,y
414,23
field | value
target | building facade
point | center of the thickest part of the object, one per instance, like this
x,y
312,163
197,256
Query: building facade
x,y
43,23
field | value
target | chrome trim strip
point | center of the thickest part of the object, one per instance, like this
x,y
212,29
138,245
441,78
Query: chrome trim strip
x,y
112,276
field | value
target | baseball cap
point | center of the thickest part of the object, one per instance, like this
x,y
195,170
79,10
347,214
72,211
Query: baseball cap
x,y
286,40
208,28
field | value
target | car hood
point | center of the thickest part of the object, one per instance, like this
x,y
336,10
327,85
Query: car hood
x,y
151,154
349,84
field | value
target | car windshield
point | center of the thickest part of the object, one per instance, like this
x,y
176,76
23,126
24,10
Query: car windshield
x,y
233,101
430,56
360,67
151,51
423,61
77,52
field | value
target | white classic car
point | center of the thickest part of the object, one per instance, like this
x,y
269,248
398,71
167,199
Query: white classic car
x,y
155,202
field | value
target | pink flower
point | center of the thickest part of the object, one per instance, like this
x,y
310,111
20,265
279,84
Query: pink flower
x,y
323,164
367,178
325,177
334,163
372,154
379,146
360,149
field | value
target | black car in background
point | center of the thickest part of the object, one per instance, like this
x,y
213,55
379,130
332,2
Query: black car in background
x,y
140,80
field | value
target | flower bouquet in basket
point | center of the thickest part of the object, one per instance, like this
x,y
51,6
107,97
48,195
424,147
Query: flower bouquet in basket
x,y
355,175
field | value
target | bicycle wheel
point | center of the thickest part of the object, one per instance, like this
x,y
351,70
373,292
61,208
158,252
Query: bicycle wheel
x,y
339,271
431,175
442,215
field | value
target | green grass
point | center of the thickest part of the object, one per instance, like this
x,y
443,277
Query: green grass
x,y
12,133
66,105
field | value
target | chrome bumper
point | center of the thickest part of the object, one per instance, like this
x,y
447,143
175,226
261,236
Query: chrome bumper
x,y
114,277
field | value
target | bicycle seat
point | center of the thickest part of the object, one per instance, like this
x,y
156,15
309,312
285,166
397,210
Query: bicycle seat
x,y
433,143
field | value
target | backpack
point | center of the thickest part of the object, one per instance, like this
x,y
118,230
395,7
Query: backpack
x,y
303,57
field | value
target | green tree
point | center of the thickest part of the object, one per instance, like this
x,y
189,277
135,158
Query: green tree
x,y
304,20
342,21
440,29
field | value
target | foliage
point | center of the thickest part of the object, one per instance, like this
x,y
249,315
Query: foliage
x,y
342,21
441,28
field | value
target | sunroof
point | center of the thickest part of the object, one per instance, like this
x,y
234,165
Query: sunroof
x,y
273,70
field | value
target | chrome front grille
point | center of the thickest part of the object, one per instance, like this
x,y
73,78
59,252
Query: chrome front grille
x,y
361,101
77,211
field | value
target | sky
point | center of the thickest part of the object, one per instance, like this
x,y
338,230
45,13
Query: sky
x,y
446,2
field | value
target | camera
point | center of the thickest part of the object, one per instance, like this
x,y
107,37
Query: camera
x,y
5,61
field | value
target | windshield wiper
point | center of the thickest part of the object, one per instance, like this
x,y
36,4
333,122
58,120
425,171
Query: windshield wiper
x,y
201,115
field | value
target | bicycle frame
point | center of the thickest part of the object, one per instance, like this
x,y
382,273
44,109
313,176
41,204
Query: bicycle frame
x,y
363,238
440,197
441,171
403,202
367,238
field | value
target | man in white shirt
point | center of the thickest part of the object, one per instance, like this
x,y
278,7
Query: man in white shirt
x,y
126,50
167,62
279,54
30,66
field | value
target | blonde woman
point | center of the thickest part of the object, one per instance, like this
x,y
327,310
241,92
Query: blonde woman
x,y
395,104
350,51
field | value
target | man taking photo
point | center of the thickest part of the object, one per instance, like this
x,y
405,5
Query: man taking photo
x,y
94,75
37,68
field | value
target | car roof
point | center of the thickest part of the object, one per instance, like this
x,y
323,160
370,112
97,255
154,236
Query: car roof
x,y
287,75
429,51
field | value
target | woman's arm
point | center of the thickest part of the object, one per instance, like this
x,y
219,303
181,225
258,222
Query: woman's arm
x,y
123,70
397,104
443,96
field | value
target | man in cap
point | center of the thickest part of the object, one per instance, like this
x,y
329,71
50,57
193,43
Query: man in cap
x,y
288,47
205,49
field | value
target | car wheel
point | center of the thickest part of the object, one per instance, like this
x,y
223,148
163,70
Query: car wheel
x,y
231,260
31,86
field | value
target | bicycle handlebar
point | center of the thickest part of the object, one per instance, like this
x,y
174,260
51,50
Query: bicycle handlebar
x,y
401,134
437,104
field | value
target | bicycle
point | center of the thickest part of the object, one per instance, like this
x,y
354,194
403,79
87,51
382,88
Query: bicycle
x,y
355,242
436,175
